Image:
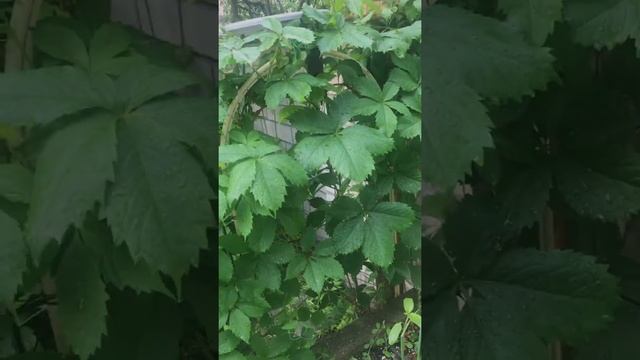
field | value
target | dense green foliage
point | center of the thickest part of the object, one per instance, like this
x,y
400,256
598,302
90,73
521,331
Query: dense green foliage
x,y
531,148
349,81
106,180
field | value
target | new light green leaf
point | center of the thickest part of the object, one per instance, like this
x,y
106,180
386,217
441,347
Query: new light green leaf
x,y
15,183
159,203
13,258
71,176
510,67
604,24
373,231
535,18
82,300
43,95
350,151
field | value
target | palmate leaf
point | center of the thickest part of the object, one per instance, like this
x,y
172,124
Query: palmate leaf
x,y
510,67
13,257
534,18
528,298
350,151
70,178
373,231
379,102
62,43
82,300
159,203
297,88
604,24
260,168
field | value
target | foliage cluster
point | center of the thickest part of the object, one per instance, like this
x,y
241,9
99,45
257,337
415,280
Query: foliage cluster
x,y
107,176
531,146
349,80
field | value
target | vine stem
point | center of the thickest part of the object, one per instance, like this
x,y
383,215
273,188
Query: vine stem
x,y
239,98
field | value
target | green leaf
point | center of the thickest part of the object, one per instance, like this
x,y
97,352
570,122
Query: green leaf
x,y
43,95
314,14
510,67
407,304
109,41
619,342
534,18
165,227
136,332
302,35
403,79
350,151
244,218
15,183
263,234
457,133
61,43
227,342
225,265
240,325
394,333
13,258
528,297
410,127
269,187
82,301
281,253
611,195
567,295
373,230
604,24
297,265
268,274
145,82
241,176
273,24
319,269
71,176
188,119
297,88
524,196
